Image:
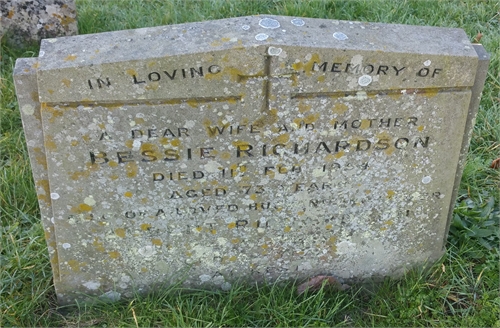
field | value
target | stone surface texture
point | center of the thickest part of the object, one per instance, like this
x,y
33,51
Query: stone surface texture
x,y
255,148
28,21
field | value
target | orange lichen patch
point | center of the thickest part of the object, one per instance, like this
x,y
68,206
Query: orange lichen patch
x,y
308,67
131,72
340,108
192,103
225,155
297,66
114,254
86,138
70,58
144,270
152,86
50,143
50,91
44,184
282,138
114,177
55,112
213,231
129,143
131,169
36,65
367,191
74,265
120,232
163,141
199,229
128,194
231,225
332,242
269,119
156,242
390,194
253,197
175,142
304,107
365,124
389,222
98,245
431,92
113,163
328,226
144,200
321,78
420,128
40,157
84,207
287,229
300,213
233,258
79,174
145,226
265,246
139,120
339,154
66,82
10,14
235,240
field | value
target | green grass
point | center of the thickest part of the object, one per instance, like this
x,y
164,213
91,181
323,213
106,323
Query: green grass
x,y
462,289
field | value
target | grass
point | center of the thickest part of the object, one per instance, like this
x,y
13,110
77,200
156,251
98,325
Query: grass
x,y
462,289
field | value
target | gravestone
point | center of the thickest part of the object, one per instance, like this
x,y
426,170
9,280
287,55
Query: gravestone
x,y
257,148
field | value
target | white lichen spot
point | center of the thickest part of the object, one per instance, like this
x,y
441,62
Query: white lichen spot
x,y
245,27
89,200
427,63
125,278
269,23
111,296
147,251
340,36
261,37
28,109
226,286
426,180
136,144
41,53
92,285
318,172
66,245
273,51
52,40
298,22
364,80
54,195
189,124
205,277
132,123
212,167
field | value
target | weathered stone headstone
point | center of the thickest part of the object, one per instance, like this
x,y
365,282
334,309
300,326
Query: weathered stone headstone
x,y
255,148
29,21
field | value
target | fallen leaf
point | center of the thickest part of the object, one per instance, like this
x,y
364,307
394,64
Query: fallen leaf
x,y
478,37
495,164
317,282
